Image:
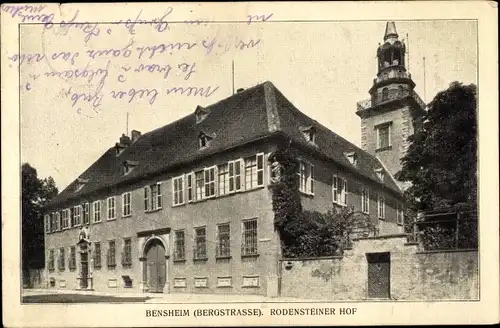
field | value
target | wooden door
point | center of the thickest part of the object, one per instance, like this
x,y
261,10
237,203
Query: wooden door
x,y
379,275
156,267
84,265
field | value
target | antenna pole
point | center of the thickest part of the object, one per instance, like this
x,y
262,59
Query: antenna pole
x,y
425,95
408,50
232,75
127,125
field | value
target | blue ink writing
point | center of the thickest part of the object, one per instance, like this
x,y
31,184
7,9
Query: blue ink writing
x,y
132,93
89,29
25,13
262,18
155,68
192,91
162,47
159,24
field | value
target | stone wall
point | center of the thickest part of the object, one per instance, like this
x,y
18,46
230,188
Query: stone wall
x,y
445,275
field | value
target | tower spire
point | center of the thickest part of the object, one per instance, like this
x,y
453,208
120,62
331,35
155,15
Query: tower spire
x,y
390,31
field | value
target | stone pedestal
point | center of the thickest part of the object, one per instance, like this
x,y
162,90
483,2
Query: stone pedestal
x,y
166,288
272,286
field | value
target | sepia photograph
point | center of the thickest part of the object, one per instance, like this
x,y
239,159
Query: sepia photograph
x,y
254,165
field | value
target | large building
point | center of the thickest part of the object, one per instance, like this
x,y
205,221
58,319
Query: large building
x,y
188,208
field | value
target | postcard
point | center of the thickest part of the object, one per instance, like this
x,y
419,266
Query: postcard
x,y
248,164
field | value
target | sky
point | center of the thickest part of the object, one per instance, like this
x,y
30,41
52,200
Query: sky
x,y
323,68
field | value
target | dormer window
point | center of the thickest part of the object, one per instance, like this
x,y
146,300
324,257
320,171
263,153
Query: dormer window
x,y
80,183
380,173
119,148
200,114
309,133
203,140
352,157
128,166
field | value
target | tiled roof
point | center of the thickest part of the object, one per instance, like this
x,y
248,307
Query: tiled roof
x,y
247,115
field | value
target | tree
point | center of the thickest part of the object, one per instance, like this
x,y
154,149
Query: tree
x,y
35,194
441,162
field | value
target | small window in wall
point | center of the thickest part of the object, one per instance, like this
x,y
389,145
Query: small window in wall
x,y
178,190
383,135
126,206
72,258
97,255
179,246
385,94
400,215
249,238
127,282
365,200
86,213
381,206
339,190
47,223
223,240
62,260
51,260
111,256
200,248
111,208
96,211
127,252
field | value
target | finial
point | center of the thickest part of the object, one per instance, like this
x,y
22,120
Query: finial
x,y
390,31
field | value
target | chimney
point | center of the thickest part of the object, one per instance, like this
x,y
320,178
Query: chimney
x,y
135,135
240,90
124,140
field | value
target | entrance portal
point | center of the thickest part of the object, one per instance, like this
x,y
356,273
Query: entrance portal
x,y
156,266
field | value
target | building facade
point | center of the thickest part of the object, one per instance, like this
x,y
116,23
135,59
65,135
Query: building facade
x,y
188,208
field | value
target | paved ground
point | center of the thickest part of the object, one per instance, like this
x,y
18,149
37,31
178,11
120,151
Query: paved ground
x,y
76,296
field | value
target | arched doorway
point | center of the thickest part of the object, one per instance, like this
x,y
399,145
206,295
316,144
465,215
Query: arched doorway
x,y
156,266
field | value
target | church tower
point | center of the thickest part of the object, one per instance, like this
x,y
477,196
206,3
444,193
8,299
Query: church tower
x,y
394,110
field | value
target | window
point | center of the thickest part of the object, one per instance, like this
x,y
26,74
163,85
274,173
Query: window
x,y
77,216
249,239
385,94
179,245
339,190
86,214
235,175
65,218
381,206
127,252
210,182
53,224
97,211
202,141
111,208
365,200
178,190
126,199
58,221
400,215
147,199
200,184
50,265
72,258
223,171
305,177
200,250
384,136
380,173
223,240
111,258
47,223
97,255
190,182
254,171
61,262
152,197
